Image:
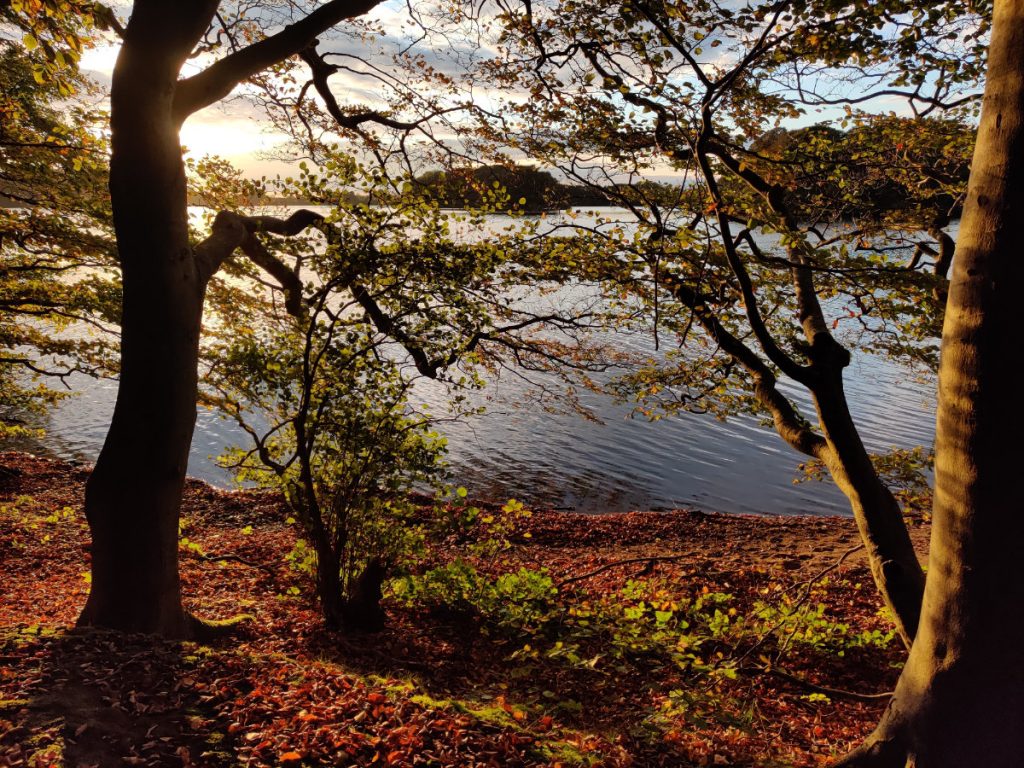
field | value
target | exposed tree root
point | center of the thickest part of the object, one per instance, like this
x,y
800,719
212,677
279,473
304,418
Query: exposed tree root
x,y
879,751
207,631
188,627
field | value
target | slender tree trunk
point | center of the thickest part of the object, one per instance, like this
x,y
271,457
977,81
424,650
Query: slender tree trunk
x,y
894,565
890,552
960,699
133,496
328,585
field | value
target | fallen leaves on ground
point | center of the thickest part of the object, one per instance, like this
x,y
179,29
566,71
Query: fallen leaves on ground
x,y
432,689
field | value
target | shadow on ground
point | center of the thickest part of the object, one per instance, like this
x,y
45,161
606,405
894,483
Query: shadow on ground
x,y
99,699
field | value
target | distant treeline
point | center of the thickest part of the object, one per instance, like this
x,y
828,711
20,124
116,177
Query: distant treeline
x,y
527,188
865,171
885,167
914,170
256,201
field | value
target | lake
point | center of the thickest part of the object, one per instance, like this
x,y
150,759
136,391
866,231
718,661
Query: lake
x,y
623,463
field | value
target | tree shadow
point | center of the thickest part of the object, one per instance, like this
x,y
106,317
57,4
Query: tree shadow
x,y
458,656
94,698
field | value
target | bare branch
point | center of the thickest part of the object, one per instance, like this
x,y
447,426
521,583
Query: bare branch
x,y
217,81
321,71
232,230
788,423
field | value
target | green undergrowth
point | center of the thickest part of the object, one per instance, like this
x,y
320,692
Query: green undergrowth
x,y
31,522
645,621
600,671
690,648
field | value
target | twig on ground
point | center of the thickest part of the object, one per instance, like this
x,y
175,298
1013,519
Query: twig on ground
x,y
388,660
618,563
809,586
822,574
236,559
827,690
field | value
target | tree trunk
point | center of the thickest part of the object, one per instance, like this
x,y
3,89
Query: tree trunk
x,y
133,496
328,586
960,699
890,552
363,611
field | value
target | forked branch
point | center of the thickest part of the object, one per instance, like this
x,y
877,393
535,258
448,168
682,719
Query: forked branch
x,y
217,81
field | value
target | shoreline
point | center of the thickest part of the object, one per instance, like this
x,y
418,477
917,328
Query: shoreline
x,y
794,543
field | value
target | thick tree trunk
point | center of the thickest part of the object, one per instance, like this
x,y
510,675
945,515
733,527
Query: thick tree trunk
x,y
890,552
133,497
960,699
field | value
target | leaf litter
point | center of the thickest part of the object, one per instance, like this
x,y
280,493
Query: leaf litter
x,y
437,688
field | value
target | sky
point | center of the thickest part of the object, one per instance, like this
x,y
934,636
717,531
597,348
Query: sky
x,y
238,131
230,129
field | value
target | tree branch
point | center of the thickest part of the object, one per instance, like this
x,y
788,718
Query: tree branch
x,y
787,422
217,81
824,347
232,230
321,71
771,348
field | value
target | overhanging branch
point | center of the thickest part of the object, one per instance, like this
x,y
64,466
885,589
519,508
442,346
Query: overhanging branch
x,y
232,230
320,71
217,81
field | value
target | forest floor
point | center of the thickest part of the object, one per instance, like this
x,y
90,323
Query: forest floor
x,y
708,640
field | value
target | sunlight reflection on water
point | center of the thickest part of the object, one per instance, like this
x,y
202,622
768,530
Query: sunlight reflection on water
x,y
563,460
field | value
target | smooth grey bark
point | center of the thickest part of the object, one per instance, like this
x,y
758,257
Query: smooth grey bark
x,y
960,699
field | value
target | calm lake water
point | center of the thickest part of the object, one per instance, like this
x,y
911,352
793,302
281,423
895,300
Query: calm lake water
x,y
623,463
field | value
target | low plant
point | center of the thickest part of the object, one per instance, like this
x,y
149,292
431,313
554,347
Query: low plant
x,y
345,451
646,624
